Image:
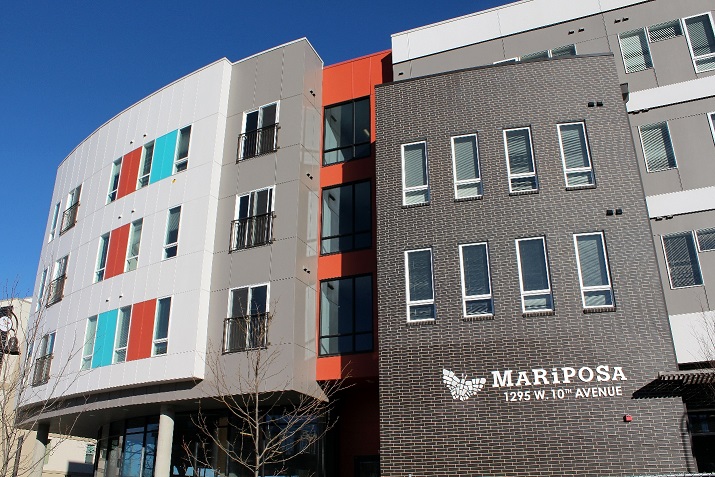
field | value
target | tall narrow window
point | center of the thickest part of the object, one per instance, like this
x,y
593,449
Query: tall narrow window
x,y
595,278
247,324
534,275
575,155
145,165
701,40
69,216
181,162
346,315
101,258
53,222
681,256
41,290
415,178
161,326
121,337
254,223
259,132
114,180
90,333
635,51
135,237
465,161
520,160
420,287
346,131
476,282
43,362
171,240
55,291
347,218
658,147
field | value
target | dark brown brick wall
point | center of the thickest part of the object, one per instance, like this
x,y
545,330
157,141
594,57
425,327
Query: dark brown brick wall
x,y
425,432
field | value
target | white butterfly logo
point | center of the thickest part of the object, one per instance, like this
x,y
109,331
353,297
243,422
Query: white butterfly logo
x,y
461,388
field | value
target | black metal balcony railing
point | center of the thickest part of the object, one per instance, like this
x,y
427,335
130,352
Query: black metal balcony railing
x,y
69,218
251,231
243,333
56,289
257,142
42,370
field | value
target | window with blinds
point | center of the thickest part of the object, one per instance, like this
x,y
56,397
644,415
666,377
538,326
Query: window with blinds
x,y
594,276
415,180
89,338
701,40
465,160
520,160
161,327
420,287
121,339
101,258
681,258
657,147
135,237
635,50
476,282
706,239
575,155
534,278
171,240
665,31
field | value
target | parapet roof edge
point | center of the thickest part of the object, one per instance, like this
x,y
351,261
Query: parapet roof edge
x,y
377,53
282,46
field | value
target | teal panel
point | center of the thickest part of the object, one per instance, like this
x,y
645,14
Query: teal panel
x,y
104,341
163,163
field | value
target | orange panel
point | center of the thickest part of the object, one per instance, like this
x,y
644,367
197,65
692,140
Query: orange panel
x,y
362,81
117,251
141,330
130,173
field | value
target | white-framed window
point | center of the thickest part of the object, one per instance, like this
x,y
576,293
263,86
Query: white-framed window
x,y
575,155
465,163
701,41
181,161
419,284
534,279
55,291
53,222
41,290
43,362
665,30
706,239
254,219
145,165
161,326
171,239
635,50
520,160
121,337
657,147
135,237
90,334
593,272
681,258
246,327
114,180
476,280
566,50
259,131
69,216
101,258
415,175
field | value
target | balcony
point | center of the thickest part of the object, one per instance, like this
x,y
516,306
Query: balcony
x,y
69,218
56,289
245,333
251,232
257,142
42,370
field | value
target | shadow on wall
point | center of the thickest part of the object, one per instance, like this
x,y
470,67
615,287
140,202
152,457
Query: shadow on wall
x,y
79,469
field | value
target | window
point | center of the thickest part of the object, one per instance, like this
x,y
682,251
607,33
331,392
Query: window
x,y
171,240
415,180
682,260
101,258
701,40
55,291
44,360
161,327
53,222
259,132
346,131
657,147
706,239
665,31
520,160
121,337
575,155
69,216
89,454
347,218
420,288
254,223
247,324
135,237
114,180
41,291
476,282
566,50
181,162
465,160
534,275
595,279
90,334
346,315
635,51
145,165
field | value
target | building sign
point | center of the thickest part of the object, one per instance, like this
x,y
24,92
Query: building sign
x,y
541,384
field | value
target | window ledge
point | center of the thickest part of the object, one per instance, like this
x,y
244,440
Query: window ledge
x,y
412,206
431,321
478,318
590,186
468,199
600,309
528,314
524,192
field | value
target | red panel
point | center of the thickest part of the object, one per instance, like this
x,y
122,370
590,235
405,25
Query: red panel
x,y
141,330
130,173
117,251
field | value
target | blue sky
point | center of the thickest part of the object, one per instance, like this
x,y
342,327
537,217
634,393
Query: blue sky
x,y
70,65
